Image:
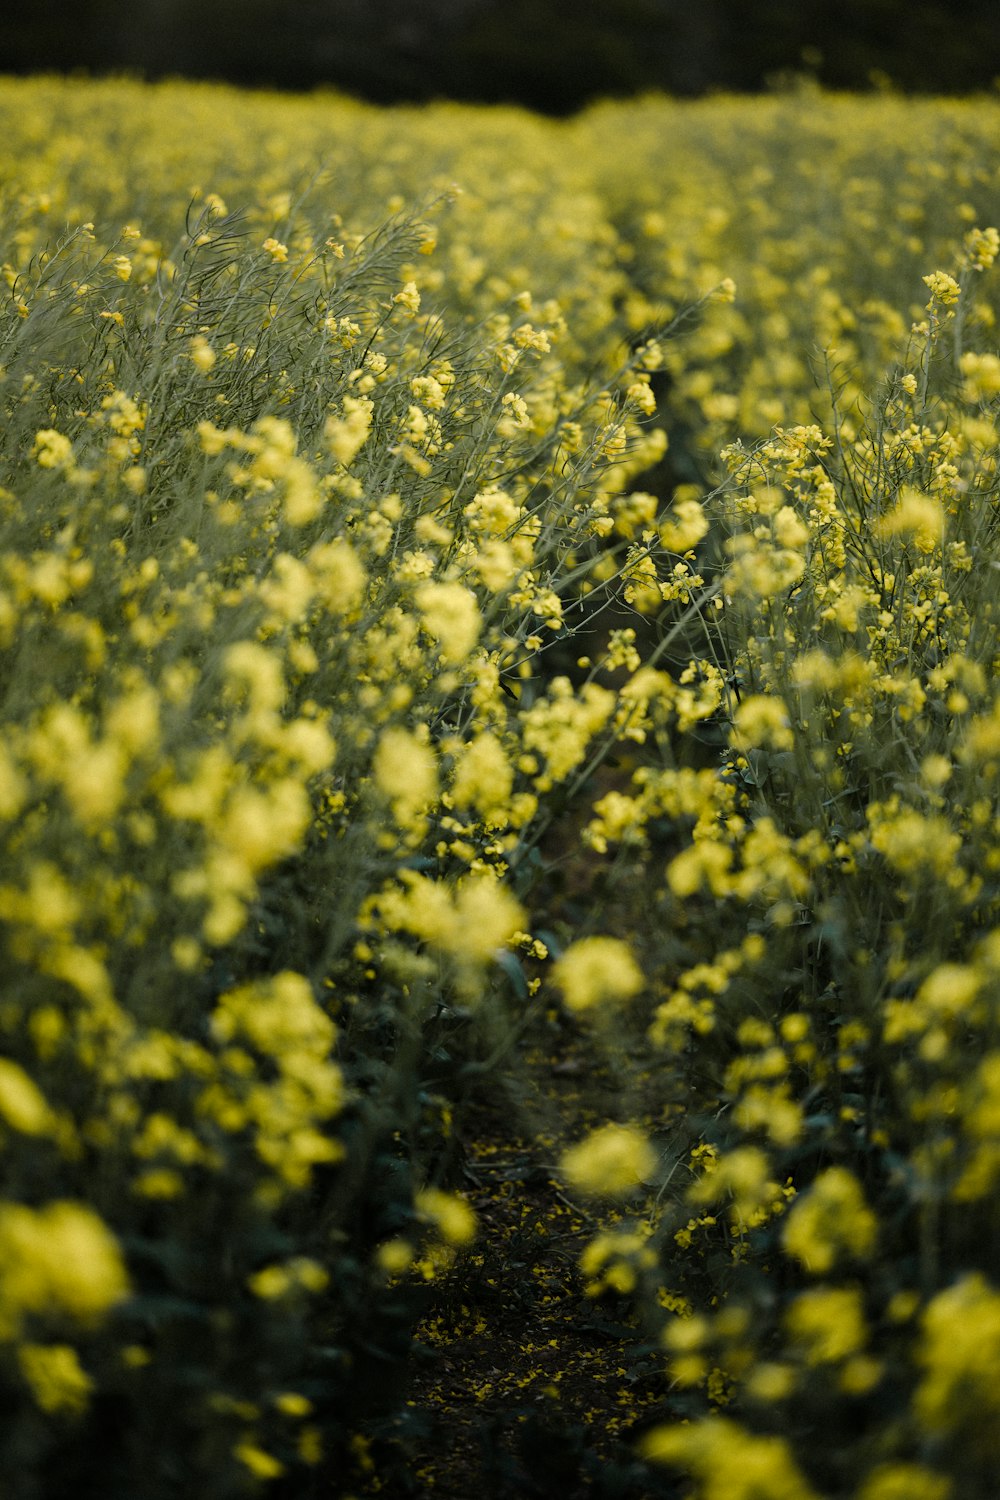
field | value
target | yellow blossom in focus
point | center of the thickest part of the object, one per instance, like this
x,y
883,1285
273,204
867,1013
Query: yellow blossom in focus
x,y
943,288
561,726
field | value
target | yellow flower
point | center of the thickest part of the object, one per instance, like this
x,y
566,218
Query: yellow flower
x,y
492,511
405,770
828,1324
449,1213
299,1274
613,1260
60,1260
13,786
338,574
202,355
409,297
450,614
260,1464
596,969
914,514
905,1481
914,843
982,376
742,1175
52,449
347,434
561,725
485,916
22,1104
293,1404
704,862
610,1162
54,1373
282,1019
483,779
263,826
686,524
960,1356
470,921
395,1256
982,246
943,288
731,1463
829,1221
789,528
761,720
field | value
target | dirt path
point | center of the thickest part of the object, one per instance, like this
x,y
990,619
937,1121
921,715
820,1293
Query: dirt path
x,y
528,1387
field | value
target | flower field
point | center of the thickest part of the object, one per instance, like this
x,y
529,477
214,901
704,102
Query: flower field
x,y
475,590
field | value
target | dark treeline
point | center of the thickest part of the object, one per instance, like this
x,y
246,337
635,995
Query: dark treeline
x,y
547,54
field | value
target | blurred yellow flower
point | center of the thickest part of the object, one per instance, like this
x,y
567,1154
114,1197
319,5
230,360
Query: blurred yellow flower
x,y
595,969
830,1221
611,1162
58,1261
57,1380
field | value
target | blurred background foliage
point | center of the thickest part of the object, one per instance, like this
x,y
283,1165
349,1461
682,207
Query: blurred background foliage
x,y
540,53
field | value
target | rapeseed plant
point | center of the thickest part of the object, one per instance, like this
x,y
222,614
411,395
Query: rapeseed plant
x,y
341,542
839,1054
